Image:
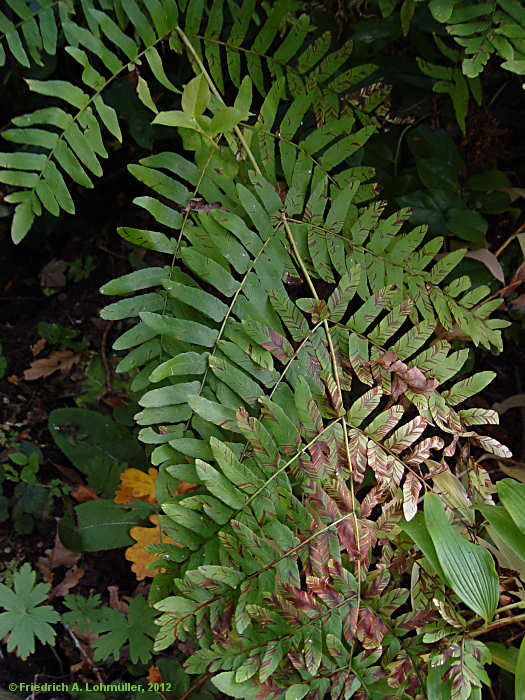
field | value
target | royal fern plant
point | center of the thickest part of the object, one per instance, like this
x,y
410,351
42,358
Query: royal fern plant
x,y
291,356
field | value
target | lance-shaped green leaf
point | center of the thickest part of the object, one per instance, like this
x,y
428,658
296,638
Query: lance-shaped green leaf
x,y
469,568
271,659
182,364
168,395
505,527
512,494
238,473
218,485
195,96
179,329
215,413
519,692
418,532
133,281
343,293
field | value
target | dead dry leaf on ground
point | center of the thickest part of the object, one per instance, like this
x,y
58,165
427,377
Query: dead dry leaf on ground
x,y
115,601
137,552
69,581
53,274
59,556
154,675
62,360
37,348
82,494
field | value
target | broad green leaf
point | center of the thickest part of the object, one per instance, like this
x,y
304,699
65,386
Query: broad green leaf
x,y
417,531
505,527
178,329
134,281
218,485
441,9
519,692
101,525
126,308
512,494
204,302
468,568
297,691
183,364
195,96
504,657
227,684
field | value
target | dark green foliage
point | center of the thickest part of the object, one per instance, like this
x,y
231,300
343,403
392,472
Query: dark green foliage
x,y
289,407
115,630
290,357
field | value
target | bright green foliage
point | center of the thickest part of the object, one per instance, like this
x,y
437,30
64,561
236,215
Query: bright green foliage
x,y
506,520
24,618
300,416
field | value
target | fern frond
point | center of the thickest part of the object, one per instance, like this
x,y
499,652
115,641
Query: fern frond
x,y
28,30
486,28
288,365
69,137
273,43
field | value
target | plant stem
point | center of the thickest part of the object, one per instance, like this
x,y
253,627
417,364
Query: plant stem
x,y
496,625
519,604
218,95
343,420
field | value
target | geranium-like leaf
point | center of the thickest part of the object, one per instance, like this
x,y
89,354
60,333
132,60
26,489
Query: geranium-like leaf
x,y
24,618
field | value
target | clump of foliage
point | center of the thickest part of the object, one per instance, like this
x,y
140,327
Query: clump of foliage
x,y
293,359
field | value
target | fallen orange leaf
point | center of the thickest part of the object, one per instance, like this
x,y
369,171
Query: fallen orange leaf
x,y
154,675
59,556
62,360
37,348
82,494
136,485
70,580
137,552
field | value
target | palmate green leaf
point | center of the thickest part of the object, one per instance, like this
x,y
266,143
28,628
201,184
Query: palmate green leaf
x,y
468,568
24,618
116,631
